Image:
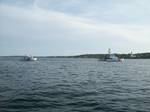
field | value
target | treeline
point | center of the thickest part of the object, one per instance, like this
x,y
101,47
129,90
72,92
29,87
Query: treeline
x,y
98,56
125,56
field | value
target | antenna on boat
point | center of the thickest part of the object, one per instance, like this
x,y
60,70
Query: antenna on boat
x,y
109,51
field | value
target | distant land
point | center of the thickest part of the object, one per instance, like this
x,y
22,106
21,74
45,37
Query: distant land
x,y
125,56
99,56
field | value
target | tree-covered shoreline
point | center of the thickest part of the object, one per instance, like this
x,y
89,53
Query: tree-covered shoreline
x,y
125,56
97,56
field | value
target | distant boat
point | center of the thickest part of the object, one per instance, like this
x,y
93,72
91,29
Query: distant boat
x,y
111,57
132,55
30,58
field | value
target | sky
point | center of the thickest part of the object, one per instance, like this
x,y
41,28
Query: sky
x,y
72,27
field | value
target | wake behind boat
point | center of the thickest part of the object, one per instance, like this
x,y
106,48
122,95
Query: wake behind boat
x,y
30,58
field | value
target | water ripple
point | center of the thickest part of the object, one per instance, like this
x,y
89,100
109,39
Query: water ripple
x,y
74,85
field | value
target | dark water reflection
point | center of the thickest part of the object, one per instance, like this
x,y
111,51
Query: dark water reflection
x,y
74,85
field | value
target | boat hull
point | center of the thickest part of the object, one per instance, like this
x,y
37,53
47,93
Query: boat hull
x,y
30,58
114,60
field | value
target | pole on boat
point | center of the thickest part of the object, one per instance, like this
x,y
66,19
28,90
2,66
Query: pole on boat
x,y
109,51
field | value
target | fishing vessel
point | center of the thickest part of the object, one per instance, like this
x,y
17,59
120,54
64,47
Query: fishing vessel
x,y
30,58
112,57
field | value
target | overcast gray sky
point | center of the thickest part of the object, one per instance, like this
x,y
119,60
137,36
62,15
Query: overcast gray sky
x,y
71,27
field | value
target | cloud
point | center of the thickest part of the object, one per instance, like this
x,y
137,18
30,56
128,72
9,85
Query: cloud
x,y
60,20
62,31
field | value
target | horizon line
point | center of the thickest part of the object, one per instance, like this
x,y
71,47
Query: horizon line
x,y
70,55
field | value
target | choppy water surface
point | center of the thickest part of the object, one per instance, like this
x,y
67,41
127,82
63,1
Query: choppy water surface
x,y
74,85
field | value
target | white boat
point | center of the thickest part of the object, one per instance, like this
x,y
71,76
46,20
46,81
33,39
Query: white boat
x,y
112,57
30,58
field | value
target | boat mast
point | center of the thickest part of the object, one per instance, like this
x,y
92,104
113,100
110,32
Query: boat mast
x,y
109,51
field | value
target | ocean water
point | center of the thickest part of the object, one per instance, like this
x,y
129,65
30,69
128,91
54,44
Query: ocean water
x,y
74,85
